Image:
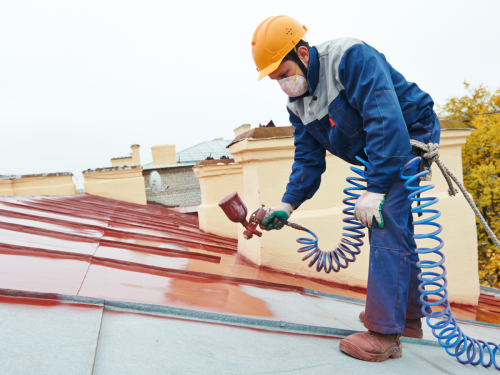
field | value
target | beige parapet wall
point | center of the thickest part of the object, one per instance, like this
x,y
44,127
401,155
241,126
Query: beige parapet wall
x,y
121,183
217,179
6,188
133,160
39,184
122,162
267,160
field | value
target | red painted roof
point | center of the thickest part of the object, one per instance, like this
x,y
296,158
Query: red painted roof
x,y
97,247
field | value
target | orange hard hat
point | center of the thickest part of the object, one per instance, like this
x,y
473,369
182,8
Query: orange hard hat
x,y
272,40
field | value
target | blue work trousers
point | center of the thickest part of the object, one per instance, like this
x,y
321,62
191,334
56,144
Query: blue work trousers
x,y
393,295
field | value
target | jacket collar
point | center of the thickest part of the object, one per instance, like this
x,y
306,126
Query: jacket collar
x,y
312,74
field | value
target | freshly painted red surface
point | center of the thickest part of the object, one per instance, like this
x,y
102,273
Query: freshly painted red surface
x,y
186,209
44,302
81,245
16,221
142,258
489,308
32,271
175,290
22,207
98,247
168,252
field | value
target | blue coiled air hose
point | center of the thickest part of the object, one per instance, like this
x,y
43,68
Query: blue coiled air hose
x,y
433,284
339,258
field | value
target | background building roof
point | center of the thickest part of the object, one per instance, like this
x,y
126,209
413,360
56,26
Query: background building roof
x,y
189,157
201,151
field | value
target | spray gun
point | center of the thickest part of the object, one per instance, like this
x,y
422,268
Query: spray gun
x,y
236,211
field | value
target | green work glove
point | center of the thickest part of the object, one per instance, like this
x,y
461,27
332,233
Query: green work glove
x,y
368,209
274,218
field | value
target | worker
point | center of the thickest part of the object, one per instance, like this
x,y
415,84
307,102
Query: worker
x,y
344,97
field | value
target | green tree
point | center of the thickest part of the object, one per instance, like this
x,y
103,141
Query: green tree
x,y
481,168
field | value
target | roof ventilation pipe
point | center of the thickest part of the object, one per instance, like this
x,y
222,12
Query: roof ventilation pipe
x,y
136,156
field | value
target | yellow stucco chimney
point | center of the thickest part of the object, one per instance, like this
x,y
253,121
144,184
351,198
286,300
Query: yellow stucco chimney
x,y
136,156
242,129
164,154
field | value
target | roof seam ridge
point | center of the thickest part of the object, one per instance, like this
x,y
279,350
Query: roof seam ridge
x,y
270,325
175,312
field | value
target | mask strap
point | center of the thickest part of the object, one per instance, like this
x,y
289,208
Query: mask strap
x,y
296,73
298,62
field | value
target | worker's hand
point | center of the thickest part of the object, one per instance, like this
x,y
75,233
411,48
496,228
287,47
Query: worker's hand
x,y
276,214
369,208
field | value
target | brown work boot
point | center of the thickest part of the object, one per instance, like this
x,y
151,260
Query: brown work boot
x,y
413,327
372,346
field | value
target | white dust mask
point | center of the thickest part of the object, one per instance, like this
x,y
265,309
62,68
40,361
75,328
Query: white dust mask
x,y
294,86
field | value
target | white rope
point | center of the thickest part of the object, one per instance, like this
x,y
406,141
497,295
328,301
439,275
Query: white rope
x,y
432,154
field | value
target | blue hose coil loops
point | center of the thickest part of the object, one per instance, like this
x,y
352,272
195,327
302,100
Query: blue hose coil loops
x,y
340,257
433,284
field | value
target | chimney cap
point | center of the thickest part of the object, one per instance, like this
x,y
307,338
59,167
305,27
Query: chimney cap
x,y
162,146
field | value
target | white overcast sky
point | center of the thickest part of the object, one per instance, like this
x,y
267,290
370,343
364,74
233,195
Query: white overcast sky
x,y
80,81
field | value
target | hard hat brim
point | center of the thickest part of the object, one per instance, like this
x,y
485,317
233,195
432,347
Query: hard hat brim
x,y
268,70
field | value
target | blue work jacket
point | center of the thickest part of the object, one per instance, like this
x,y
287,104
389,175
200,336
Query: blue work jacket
x,y
356,99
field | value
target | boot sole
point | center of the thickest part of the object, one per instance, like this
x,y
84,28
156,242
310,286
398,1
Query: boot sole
x,y
356,352
414,333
